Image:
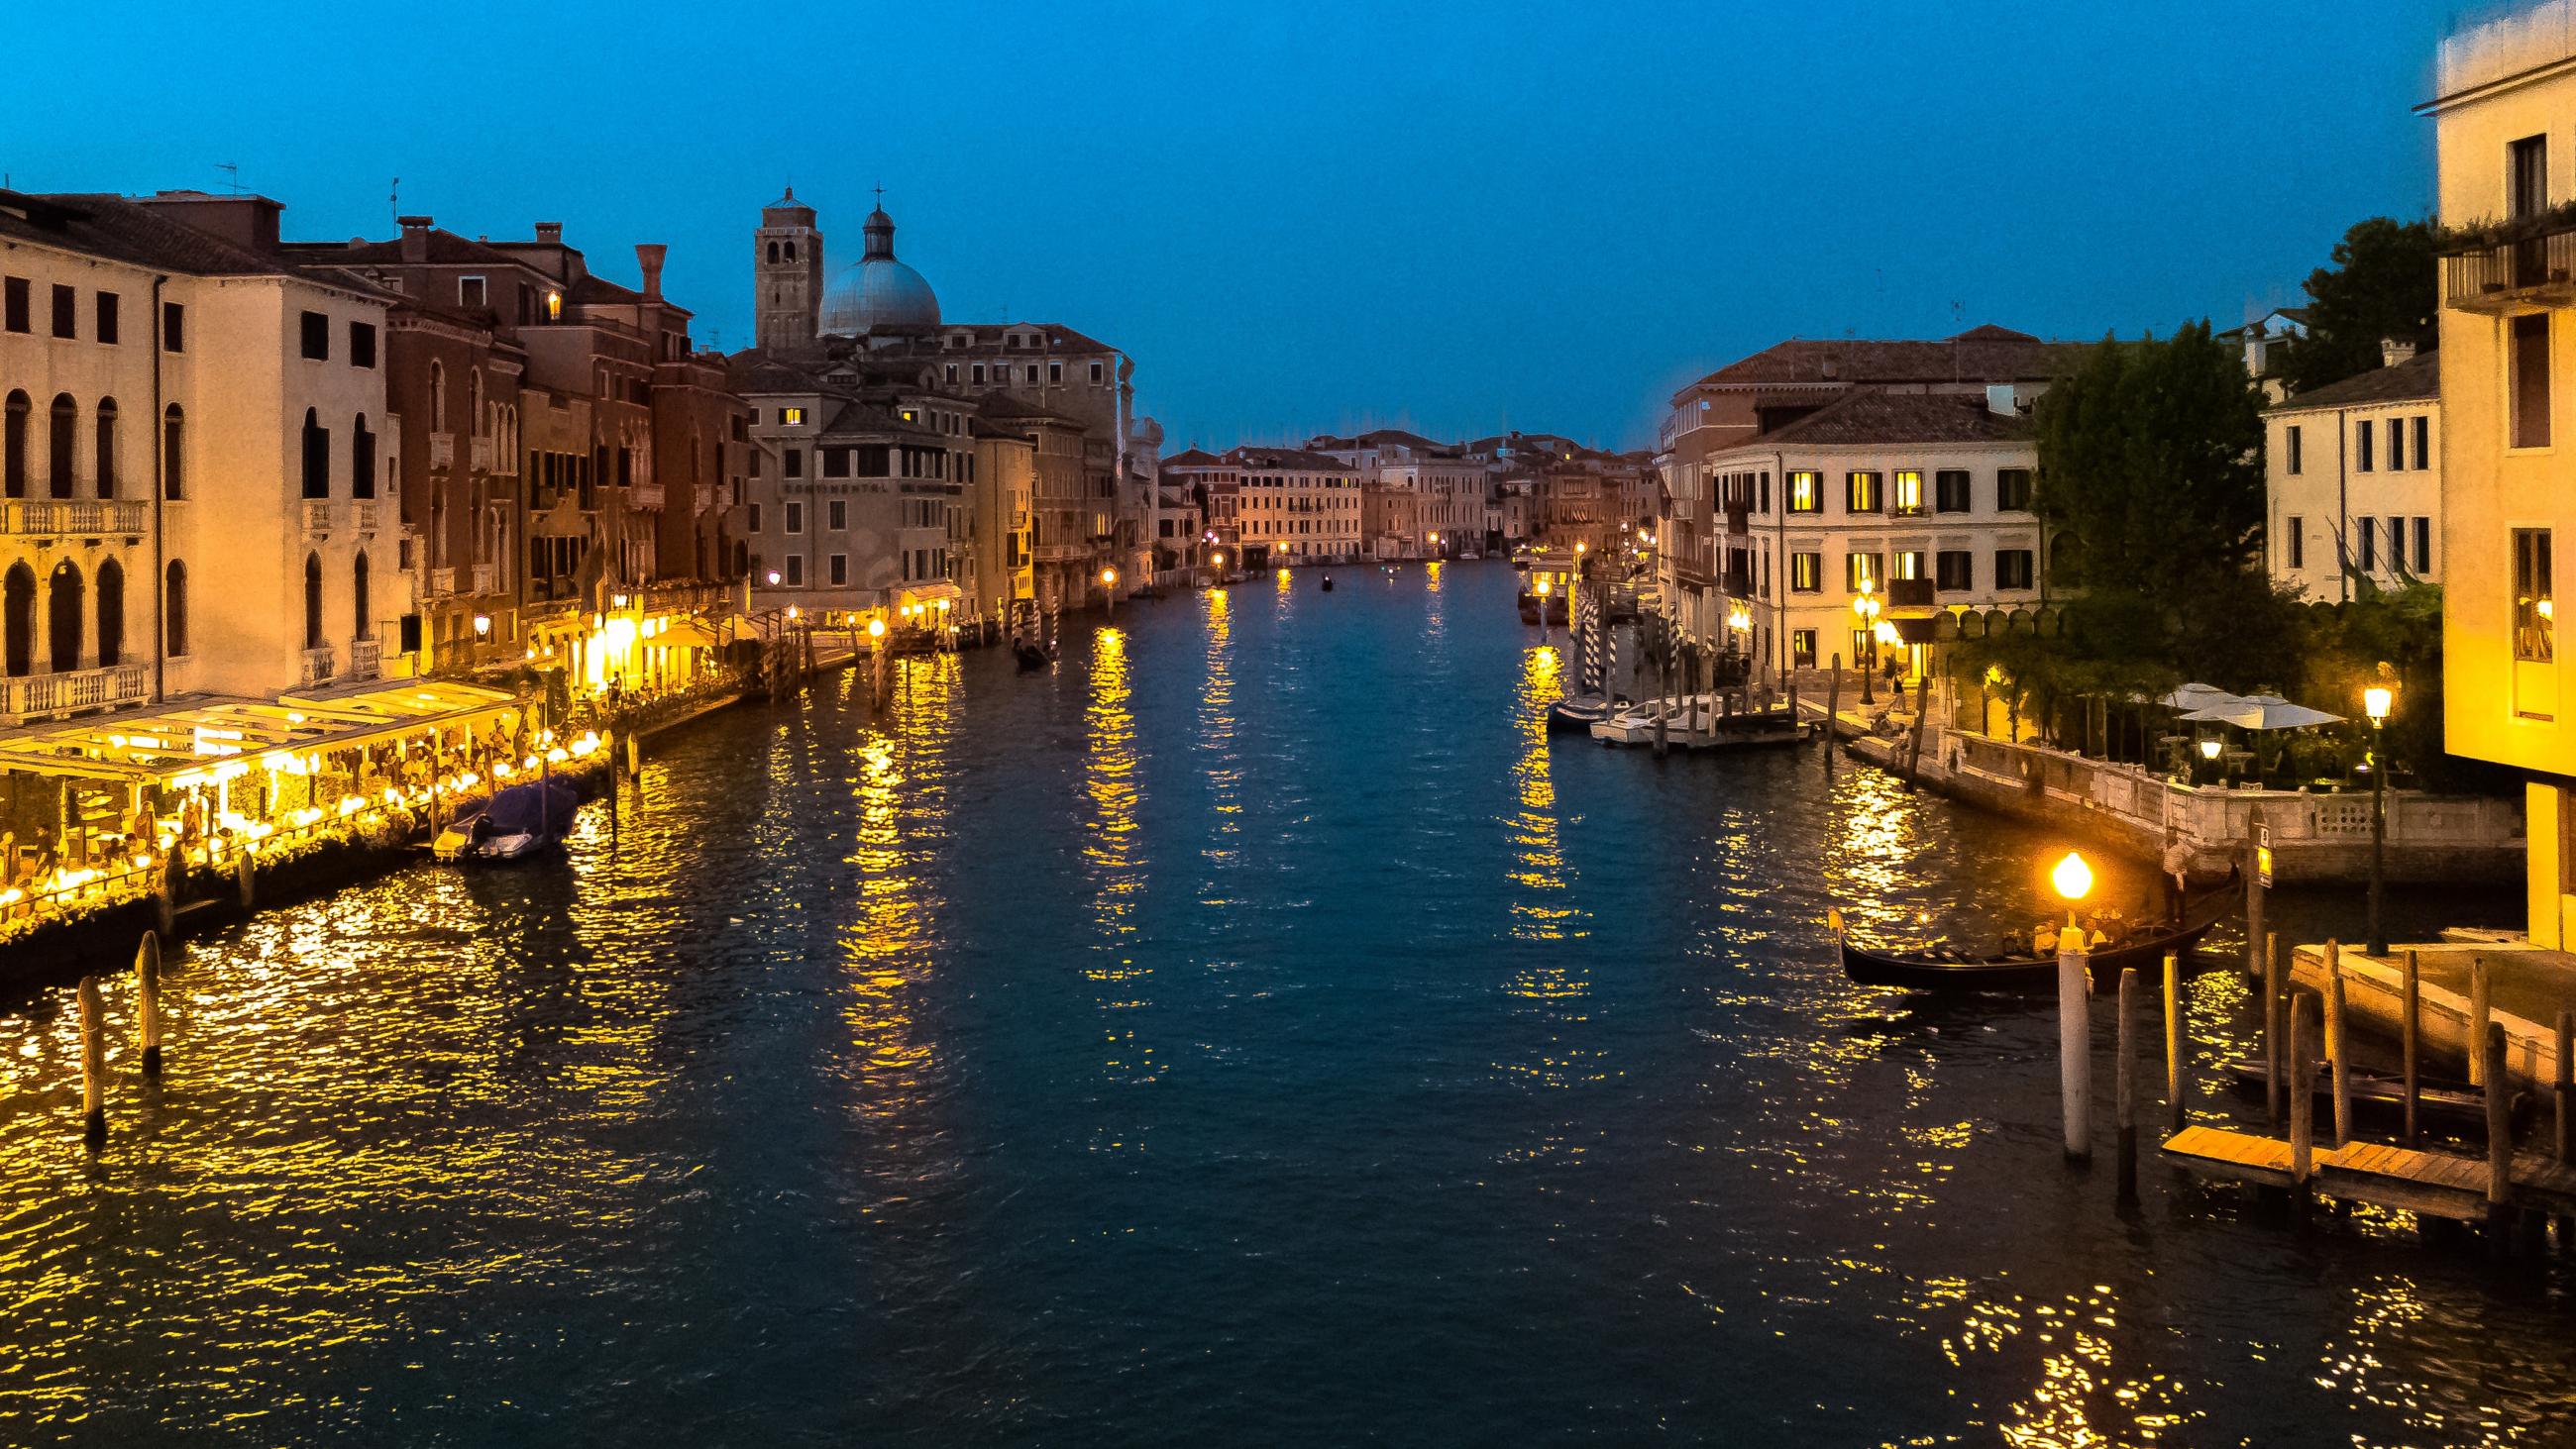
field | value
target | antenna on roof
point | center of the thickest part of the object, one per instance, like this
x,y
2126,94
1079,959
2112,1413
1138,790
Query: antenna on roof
x,y
232,176
393,198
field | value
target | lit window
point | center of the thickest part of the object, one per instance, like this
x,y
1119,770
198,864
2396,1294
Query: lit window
x,y
792,417
1806,492
1909,491
2535,625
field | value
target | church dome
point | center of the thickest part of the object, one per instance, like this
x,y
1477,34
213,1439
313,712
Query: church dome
x,y
879,294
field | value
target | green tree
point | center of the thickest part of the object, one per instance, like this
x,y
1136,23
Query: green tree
x,y
2384,283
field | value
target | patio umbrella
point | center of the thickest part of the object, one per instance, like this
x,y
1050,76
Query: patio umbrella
x,y
2264,712
2197,696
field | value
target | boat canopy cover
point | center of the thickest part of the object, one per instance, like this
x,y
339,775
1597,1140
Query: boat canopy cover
x,y
523,809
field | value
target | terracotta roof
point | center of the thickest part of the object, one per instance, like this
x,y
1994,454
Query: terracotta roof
x,y
1296,458
2417,379
1194,458
1980,354
121,230
1874,415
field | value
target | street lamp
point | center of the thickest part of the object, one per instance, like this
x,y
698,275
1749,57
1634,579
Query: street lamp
x,y
2376,701
1109,588
773,578
1542,610
1868,608
2074,880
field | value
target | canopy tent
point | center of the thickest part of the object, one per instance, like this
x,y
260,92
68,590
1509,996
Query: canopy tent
x,y
2264,712
174,744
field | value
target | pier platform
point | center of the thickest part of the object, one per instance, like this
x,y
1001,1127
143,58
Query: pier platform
x,y
2527,987
2435,1184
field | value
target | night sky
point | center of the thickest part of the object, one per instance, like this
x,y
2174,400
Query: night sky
x,y
1326,215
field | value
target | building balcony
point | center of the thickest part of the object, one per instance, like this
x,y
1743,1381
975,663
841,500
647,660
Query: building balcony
x,y
702,498
318,665
442,582
1739,518
1909,594
362,515
645,495
479,455
365,658
38,695
486,576
442,452
317,515
71,517
2508,276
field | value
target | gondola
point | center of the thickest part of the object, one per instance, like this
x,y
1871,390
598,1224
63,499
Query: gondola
x,y
1328,583
1948,969
1032,656
2439,1101
1578,713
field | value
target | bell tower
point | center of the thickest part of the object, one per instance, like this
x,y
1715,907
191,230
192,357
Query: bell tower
x,y
787,271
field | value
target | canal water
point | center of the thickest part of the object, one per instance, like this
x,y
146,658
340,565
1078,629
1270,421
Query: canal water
x,y
1255,1030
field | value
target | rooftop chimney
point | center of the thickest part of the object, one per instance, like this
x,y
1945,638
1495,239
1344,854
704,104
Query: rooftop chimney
x,y
550,233
648,258
415,238
2393,352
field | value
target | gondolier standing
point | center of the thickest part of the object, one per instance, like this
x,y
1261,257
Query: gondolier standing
x,y
2177,872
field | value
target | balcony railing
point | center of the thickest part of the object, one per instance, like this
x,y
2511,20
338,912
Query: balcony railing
x,y
43,694
442,452
479,455
364,657
442,582
362,514
703,498
73,516
2540,271
646,495
484,574
317,665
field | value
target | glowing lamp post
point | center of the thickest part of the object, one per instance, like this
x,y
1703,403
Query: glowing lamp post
x,y
1868,609
1542,610
2209,749
1109,589
2074,881
2377,701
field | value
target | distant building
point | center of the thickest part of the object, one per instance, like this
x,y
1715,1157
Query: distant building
x,y
1422,498
2353,477
1297,507
2262,341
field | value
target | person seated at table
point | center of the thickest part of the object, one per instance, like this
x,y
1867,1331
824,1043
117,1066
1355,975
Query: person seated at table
x,y
2046,941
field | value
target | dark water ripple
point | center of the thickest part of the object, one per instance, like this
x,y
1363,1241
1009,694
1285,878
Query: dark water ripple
x,y
1253,1032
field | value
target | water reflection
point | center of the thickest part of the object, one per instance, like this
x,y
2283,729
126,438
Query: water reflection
x,y
1216,729
1109,852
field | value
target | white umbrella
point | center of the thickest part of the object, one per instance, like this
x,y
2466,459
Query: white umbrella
x,y
2264,712
2198,696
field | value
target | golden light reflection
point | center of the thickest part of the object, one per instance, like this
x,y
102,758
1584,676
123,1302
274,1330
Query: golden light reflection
x,y
901,791
1543,912
2083,1396
1216,734
1110,770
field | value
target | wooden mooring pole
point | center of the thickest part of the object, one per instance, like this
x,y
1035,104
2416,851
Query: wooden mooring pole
x,y
2254,959
2075,1045
1833,707
93,1066
2410,1029
2490,1054
2274,1058
2177,1105
2303,1095
2338,1044
2562,1091
147,1001
245,877
2128,1087
2481,1013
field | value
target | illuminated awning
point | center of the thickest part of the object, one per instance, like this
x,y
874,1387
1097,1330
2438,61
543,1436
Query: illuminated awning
x,y
705,633
184,739
929,593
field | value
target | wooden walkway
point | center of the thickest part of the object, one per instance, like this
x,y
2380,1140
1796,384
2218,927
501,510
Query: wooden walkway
x,y
2437,1184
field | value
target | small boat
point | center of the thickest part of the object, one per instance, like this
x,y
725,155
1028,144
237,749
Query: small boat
x,y
1941,968
1032,655
1577,713
2440,1101
1328,583
516,823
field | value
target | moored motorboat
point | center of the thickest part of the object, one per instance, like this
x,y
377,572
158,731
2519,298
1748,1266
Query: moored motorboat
x,y
516,823
1328,583
1941,968
1580,712
2441,1101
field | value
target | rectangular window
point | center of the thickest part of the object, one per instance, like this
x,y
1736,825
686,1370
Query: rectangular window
x,y
174,327
795,518
2290,448
2423,545
2535,629
1806,492
2012,490
2012,568
2362,433
14,306
1099,374
1802,648
2530,362
2423,441
1908,493
2366,540
791,463
2295,545
1055,372
2396,445
977,372
66,312
1861,493
1863,568
840,568
1954,571
755,516
1762,502
362,344
1806,573
792,417
836,514
1950,491
2527,176
795,570
469,292
1033,372
317,336
107,317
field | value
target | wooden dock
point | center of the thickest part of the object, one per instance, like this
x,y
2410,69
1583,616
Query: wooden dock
x,y
2437,1184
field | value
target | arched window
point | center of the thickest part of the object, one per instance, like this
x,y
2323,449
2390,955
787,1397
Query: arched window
x,y
437,398
107,447
312,601
18,620
791,251
13,446
362,628
174,609
111,613
773,252
174,453
65,443
317,456
63,617
362,460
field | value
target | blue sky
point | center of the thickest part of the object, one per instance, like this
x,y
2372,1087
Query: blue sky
x,y
1455,217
